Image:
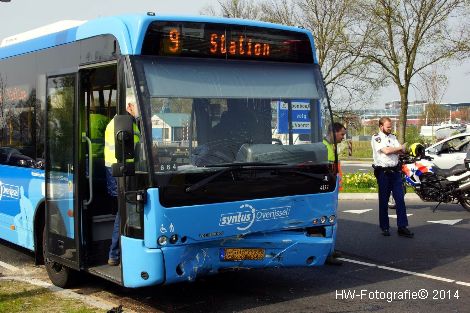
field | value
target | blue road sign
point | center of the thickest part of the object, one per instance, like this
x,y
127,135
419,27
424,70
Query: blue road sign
x,y
300,117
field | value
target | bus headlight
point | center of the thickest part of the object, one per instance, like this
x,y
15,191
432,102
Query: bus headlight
x,y
173,239
323,219
332,219
162,240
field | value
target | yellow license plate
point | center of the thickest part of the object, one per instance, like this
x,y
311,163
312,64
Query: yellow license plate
x,y
240,254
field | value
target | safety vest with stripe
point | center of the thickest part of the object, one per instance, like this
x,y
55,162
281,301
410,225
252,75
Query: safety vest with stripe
x,y
98,123
331,158
110,146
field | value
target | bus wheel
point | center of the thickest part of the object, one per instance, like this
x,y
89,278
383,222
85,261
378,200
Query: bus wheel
x,y
59,274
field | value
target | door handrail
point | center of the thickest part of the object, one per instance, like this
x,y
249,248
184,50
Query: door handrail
x,y
90,167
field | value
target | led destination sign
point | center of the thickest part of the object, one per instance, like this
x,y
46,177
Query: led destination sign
x,y
239,47
207,40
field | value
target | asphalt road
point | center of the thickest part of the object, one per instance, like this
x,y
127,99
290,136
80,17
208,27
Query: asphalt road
x,y
429,273
356,166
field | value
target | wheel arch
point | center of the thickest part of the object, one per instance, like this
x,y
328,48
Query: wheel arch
x,y
39,222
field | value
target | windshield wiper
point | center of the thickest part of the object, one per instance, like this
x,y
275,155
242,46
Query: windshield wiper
x,y
322,177
229,167
245,164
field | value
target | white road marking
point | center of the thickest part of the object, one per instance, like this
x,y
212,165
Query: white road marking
x,y
395,216
357,262
446,222
358,211
343,163
388,268
9,267
462,283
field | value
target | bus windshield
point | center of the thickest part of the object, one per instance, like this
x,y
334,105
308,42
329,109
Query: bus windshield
x,y
206,113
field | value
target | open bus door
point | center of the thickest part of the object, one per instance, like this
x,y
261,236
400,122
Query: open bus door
x,y
97,106
62,226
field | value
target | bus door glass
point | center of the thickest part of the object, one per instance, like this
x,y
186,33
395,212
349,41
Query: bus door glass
x,y
97,97
61,215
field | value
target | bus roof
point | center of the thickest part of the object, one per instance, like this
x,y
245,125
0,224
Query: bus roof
x,y
40,31
129,30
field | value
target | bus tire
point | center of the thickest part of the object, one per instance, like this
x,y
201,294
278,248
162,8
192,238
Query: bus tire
x,y
60,275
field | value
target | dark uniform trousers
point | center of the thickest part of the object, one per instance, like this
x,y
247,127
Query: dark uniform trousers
x,y
389,180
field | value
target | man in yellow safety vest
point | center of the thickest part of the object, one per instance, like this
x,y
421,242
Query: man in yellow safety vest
x,y
109,159
336,134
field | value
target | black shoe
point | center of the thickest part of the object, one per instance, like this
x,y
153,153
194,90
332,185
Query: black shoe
x,y
113,262
386,232
405,232
330,260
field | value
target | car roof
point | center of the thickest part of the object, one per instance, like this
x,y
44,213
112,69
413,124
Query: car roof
x,y
448,138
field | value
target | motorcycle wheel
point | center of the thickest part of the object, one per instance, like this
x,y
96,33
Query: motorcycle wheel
x,y
465,202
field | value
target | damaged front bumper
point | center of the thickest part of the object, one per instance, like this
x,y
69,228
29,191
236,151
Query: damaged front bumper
x,y
171,264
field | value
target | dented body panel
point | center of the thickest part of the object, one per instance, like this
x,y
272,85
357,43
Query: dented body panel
x,y
283,227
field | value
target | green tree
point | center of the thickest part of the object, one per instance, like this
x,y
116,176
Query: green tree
x,y
412,135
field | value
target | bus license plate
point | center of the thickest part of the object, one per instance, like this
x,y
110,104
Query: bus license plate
x,y
240,254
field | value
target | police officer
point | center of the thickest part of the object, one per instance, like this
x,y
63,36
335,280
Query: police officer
x,y
109,158
386,148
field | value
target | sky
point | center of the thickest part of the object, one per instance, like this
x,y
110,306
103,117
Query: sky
x,y
22,15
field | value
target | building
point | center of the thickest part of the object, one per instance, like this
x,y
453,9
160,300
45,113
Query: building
x,y
170,128
416,110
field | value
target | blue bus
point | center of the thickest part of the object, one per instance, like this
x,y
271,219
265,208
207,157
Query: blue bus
x,y
229,171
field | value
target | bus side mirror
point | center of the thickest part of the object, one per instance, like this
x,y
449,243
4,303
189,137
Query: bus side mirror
x,y
124,146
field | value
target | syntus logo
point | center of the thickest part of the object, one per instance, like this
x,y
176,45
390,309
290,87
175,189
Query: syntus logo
x,y
9,191
248,215
243,218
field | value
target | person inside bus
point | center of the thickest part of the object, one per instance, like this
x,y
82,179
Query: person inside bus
x,y
98,123
237,126
336,134
111,182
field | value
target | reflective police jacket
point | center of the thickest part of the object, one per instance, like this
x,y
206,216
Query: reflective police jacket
x,y
110,146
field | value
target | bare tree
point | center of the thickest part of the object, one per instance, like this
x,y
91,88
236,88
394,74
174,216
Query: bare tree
x,y
339,40
234,8
408,36
434,114
280,11
340,37
434,85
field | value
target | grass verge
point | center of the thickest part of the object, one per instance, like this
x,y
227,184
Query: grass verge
x,y
21,297
353,189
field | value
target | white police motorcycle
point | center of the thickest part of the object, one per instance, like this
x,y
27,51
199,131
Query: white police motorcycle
x,y
431,183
